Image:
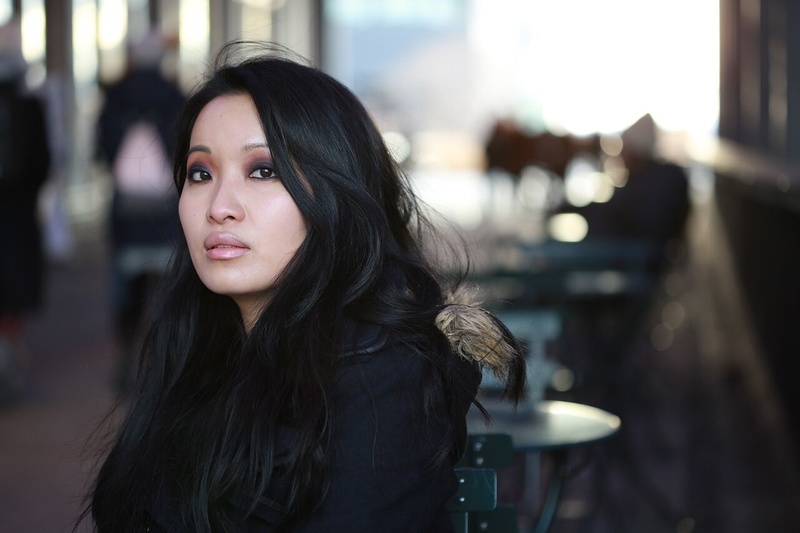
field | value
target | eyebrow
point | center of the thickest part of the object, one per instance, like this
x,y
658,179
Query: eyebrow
x,y
253,146
199,148
206,150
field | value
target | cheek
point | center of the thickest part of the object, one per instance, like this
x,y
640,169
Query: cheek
x,y
185,214
302,231
191,226
295,226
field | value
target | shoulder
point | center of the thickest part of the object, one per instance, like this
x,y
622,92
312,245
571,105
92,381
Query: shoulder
x,y
366,345
361,339
373,360
404,375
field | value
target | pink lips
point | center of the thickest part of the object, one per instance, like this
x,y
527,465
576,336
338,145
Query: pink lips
x,y
224,246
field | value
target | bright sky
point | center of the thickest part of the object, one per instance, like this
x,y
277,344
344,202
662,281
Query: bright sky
x,y
588,65
579,65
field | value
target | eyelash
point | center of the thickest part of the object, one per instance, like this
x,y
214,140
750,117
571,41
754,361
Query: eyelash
x,y
195,170
205,176
262,167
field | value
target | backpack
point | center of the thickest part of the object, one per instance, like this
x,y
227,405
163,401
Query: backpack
x,y
141,167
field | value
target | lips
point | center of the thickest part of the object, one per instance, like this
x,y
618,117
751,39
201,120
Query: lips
x,y
224,246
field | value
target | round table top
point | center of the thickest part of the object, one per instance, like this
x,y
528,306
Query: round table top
x,y
550,425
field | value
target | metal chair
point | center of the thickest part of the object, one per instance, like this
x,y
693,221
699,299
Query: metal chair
x,y
477,492
492,450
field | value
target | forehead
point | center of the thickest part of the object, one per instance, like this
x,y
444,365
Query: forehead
x,y
227,117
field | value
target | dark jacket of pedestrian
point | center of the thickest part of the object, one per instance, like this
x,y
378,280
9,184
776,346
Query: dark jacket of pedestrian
x,y
25,162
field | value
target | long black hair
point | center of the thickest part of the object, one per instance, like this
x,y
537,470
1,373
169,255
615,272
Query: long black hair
x,y
210,398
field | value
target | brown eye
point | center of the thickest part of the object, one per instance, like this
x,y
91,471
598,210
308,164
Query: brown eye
x,y
263,173
196,175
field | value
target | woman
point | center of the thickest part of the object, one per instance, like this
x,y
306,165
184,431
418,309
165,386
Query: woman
x,y
297,376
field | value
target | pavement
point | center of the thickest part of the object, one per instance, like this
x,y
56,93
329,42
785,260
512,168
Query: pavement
x,y
46,450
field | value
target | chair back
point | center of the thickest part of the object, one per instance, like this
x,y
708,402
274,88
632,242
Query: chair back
x,y
477,491
485,452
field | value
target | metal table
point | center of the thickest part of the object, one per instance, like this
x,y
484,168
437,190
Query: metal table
x,y
547,426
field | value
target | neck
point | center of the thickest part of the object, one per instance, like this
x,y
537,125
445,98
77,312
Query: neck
x,y
251,310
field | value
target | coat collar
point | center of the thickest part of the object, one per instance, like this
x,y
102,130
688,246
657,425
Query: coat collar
x,y
361,338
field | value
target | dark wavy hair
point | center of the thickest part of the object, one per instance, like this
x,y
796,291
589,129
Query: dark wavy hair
x,y
210,398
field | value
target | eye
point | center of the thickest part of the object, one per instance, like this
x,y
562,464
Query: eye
x,y
264,172
196,175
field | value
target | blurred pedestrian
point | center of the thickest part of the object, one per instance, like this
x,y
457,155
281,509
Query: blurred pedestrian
x,y
651,206
135,139
24,166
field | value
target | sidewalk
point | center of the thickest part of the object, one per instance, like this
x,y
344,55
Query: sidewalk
x,y
43,438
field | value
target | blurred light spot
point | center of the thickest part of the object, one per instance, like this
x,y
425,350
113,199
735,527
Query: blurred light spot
x,y
673,284
611,282
36,75
614,168
685,526
534,187
5,12
574,509
33,31
454,194
112,23
581,182
661,337
447,149
567,227
605,188
606,282
398,145
701,182
673,314
84,42
580,189
194,33
611,144
563,380
262,4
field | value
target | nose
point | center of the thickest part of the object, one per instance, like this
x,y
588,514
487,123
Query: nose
x,y
225,204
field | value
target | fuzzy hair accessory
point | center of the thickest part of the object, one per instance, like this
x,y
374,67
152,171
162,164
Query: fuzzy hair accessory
x,y
477,335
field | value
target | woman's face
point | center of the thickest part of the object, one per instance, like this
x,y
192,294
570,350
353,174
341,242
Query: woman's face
x,y
241,225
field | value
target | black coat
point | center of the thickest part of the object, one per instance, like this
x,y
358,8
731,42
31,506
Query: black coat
x,y
381,474
22,267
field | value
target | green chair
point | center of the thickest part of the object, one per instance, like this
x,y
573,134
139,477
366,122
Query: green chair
x,y
490,450
477,492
